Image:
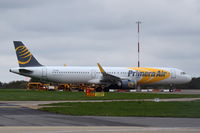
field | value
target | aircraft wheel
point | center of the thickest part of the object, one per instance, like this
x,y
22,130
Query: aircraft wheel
x,y
98,89
106,89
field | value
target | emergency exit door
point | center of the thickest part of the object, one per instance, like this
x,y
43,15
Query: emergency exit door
x,y
44,72
173,74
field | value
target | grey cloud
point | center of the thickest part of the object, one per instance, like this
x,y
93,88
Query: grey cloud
x,y
77,32
16,4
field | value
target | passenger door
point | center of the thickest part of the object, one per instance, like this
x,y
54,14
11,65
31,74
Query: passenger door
x,y
173,74
44,72
93,73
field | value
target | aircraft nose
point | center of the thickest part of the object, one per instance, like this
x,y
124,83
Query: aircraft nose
x,y
10,70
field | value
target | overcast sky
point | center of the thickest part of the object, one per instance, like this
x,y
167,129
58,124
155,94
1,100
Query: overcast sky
x,y
84,32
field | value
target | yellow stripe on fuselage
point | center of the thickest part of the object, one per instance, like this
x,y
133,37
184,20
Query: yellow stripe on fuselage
x,y
150,75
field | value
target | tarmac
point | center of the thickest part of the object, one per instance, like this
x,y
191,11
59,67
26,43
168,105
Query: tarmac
x,y
13,115
22,117
96,129
18,119
38,104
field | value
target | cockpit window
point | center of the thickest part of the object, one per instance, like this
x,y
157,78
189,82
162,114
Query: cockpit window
x,y
183,73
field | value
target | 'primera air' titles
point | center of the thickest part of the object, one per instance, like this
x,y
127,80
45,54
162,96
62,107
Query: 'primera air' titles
x,y
147,74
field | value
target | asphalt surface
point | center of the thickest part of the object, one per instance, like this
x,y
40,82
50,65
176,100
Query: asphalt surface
x,y
22,117
96,129
38,104
16,115
189,91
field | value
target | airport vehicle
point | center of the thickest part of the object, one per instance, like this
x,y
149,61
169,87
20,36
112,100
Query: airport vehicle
x,y
104,77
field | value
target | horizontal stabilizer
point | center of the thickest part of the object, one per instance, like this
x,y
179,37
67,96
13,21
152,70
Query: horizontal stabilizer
x,y
25,71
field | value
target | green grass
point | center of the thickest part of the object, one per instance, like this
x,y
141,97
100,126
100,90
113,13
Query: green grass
x,y
151,109
25,95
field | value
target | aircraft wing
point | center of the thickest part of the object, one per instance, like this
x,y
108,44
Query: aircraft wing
x,y
108,77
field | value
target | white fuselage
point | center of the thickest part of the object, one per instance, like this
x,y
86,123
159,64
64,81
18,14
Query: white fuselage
x,y
92,75
123,77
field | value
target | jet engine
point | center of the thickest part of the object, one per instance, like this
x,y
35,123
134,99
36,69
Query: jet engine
x,y
127,84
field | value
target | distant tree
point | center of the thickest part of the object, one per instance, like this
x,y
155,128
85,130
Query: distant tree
x,y
42,81
34,80
194,84
15,85
1,84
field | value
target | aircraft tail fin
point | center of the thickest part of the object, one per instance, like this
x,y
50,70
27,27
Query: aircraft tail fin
x,y
24,56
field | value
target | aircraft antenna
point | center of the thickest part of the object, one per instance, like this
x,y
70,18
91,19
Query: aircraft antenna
x,y
138,25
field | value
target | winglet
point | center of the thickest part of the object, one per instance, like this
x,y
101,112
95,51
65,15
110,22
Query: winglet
x,y
100,68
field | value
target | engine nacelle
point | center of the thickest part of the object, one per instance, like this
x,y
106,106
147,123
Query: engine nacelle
x,y
127,84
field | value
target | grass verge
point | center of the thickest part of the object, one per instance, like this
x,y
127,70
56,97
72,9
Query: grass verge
x,y
150,109
25,95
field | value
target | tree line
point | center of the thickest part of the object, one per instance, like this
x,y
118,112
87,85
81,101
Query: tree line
x,y
194,84
14,85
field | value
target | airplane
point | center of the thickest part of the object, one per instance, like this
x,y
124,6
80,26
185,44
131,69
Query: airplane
x,y
121,77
